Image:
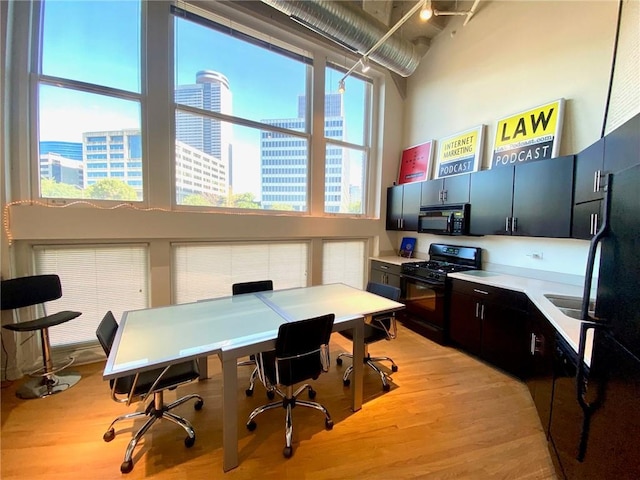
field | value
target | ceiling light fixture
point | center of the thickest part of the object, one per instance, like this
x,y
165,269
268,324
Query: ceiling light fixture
x,y
426,12
341,86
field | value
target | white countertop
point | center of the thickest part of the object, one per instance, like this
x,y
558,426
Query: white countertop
x,y
568,327
395,260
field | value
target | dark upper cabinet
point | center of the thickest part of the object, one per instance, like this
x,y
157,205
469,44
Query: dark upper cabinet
x,y
543,198
588,175
403,205
613,153
446,191
622,146
532,199
491,195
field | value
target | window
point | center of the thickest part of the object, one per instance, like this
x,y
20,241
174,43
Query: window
x,y
347,137
94,279
343,261
208,270
241,116
89,95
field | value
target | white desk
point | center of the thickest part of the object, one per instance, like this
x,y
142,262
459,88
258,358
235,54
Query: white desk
x,y
233,327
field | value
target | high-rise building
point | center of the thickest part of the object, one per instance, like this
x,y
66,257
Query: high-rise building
x,y
62,169
198,173
284,167
210,92
71,150
113,154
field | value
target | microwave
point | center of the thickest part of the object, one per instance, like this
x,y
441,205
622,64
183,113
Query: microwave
x,y
444,219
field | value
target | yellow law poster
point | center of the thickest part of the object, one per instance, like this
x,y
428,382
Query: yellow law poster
x,y
460,153
528,136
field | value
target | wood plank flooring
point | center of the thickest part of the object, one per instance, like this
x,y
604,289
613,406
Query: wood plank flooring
x,y
447,416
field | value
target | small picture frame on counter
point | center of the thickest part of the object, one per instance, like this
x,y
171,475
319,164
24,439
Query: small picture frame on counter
x,y
407,247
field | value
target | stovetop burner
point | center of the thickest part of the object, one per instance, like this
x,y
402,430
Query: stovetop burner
x,y
444,259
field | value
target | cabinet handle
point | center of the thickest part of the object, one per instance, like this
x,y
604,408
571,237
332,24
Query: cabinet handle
x,y
480,291
597,177
506,224
514,226
482,312
595,223
477,308
591,224
402,223
532,347
384,267
444,195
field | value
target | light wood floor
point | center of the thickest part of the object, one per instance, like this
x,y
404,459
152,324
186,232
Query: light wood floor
x,y
447,416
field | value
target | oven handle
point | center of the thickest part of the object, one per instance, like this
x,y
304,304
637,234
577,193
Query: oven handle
x,y
422,280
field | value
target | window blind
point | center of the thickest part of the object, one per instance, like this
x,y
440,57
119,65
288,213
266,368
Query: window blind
x,y
208,270
94,279
343,261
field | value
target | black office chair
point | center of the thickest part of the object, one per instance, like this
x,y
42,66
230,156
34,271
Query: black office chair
x,y
144,385
253,287
301,353
382,327
31,291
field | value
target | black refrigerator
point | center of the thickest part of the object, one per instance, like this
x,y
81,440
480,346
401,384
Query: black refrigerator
x,y
595,419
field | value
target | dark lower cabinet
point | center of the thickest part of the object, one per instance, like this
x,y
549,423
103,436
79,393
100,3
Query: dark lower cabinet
x,y
490,323
539,375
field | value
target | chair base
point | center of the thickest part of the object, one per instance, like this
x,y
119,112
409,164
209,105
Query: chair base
x,y
46,385
368,360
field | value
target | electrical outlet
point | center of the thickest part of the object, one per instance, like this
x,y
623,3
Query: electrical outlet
x,y
535,255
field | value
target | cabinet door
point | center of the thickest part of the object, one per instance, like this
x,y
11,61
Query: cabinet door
x,y
456,189
504,337
543,198
394,207
491,194
465,326
622,146
539,375
432,192
586,217
411,206
589,163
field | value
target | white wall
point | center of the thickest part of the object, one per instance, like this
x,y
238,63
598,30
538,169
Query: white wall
x,y
511,56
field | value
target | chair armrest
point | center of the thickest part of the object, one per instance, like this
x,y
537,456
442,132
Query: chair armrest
x,y
391,331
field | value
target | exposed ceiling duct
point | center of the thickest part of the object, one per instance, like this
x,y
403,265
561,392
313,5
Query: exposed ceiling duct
x,y
349,26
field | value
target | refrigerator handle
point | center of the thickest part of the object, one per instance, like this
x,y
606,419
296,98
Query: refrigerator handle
x,y
593,246
588,408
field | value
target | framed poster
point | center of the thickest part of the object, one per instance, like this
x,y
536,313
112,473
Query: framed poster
x,y
415,163
528,136
460,153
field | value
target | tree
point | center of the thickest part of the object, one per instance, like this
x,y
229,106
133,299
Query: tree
x,y
111,189
49,188
286,207
196,199
243,200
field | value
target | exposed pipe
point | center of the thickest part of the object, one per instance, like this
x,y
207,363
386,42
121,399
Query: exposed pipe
x,y
349,26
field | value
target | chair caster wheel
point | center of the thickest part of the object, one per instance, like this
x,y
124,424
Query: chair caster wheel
x,y
346,382
328,424
338,361
270,395
394,368
312,393
386,387
251,426
287,452
127,466
189,441
109,435
248,392
198,405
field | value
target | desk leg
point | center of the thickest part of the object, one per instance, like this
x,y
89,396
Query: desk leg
x,y
203,366
229,411
358,365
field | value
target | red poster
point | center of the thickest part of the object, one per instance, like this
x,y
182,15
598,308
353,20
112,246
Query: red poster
x,y
415,163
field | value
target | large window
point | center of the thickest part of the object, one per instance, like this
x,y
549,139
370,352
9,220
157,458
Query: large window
x,y
241,122
90,100
347,140
204,271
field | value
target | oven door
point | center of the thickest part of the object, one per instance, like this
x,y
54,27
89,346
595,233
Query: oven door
x,y
424,301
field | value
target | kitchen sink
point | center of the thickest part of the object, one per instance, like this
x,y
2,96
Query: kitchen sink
x,y
571,306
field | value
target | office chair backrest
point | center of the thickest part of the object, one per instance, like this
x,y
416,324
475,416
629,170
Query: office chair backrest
x,y
26,291
295,339
252,287
388,291
106,332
